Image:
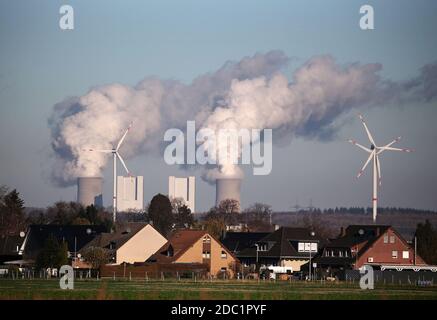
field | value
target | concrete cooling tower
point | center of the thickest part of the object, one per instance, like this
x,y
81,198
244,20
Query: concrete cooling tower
x,y
89,191
227,189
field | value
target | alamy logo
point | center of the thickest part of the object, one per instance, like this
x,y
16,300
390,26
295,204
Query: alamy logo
x,y
367,278
67,279
220,147
367,21
66,21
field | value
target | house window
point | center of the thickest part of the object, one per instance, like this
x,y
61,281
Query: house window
x,y
262,247
307,247
206,255
301,247
346,254
223,269
392,239
405,254
386,238
206,239
224,254
394,254
340,254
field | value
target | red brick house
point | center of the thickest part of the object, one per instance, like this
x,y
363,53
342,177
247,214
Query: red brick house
x,y
368,244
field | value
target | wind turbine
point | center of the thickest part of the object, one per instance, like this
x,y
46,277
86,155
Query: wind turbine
x,y
375,151
115,155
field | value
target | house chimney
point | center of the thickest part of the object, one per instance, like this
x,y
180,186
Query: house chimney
x,y
342,232
277,226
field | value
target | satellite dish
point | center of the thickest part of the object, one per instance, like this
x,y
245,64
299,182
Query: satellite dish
x,y
88,231
361,232
312,233
79,255
22,234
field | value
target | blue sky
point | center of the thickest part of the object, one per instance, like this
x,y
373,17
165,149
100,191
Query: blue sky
x,y
124,41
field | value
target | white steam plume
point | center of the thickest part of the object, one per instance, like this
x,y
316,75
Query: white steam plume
x,y
252,93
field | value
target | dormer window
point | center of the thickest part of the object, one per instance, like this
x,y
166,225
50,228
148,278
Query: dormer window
x,y
112,245
262,247
307,247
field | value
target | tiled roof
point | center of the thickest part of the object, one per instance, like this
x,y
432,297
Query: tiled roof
x,y
283,243
357,234
238,241
117,238
76,236
180,241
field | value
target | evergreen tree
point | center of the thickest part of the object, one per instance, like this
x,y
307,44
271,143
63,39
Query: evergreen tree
x,y
53,255
426,237
160,213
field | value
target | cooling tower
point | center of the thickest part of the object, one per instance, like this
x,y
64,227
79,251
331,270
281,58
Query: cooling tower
x,y
89,191
227,189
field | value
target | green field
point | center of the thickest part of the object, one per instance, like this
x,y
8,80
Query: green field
x,y
227,290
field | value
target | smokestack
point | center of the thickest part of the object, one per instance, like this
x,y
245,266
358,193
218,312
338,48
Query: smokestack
x,y
89,191
227,188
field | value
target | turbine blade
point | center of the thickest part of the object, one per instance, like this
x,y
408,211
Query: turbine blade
x,y
123,137
365,165
393,142
396,149
99,150
360,146
122,162
369,135
378,166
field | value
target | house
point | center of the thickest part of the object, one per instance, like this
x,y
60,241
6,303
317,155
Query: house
x,y
377,245
285,247
134,242
196,246
76,237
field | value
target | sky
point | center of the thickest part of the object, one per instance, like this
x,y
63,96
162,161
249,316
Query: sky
x,y
126,41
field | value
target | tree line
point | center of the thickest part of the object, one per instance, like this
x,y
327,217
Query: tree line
x,y
168,215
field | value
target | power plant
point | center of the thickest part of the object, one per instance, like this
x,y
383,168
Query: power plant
x,y
130,193
183,188
89,191
227,188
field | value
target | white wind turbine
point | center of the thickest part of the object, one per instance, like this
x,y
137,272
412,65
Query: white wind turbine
x,y
375,151
115,155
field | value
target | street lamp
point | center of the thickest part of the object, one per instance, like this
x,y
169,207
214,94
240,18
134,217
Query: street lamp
x,y
312,233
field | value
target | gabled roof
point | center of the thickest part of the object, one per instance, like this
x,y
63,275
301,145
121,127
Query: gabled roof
x,y
116,239
360,234
284,243
238,241
76,236
354,235
179,242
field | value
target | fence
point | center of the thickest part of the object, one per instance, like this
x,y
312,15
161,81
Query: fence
x,y
396,277
155,271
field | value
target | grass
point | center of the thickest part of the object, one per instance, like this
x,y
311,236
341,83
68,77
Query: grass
x,y
105,289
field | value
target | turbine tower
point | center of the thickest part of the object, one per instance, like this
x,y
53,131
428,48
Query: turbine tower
x,y
374,152
115,155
